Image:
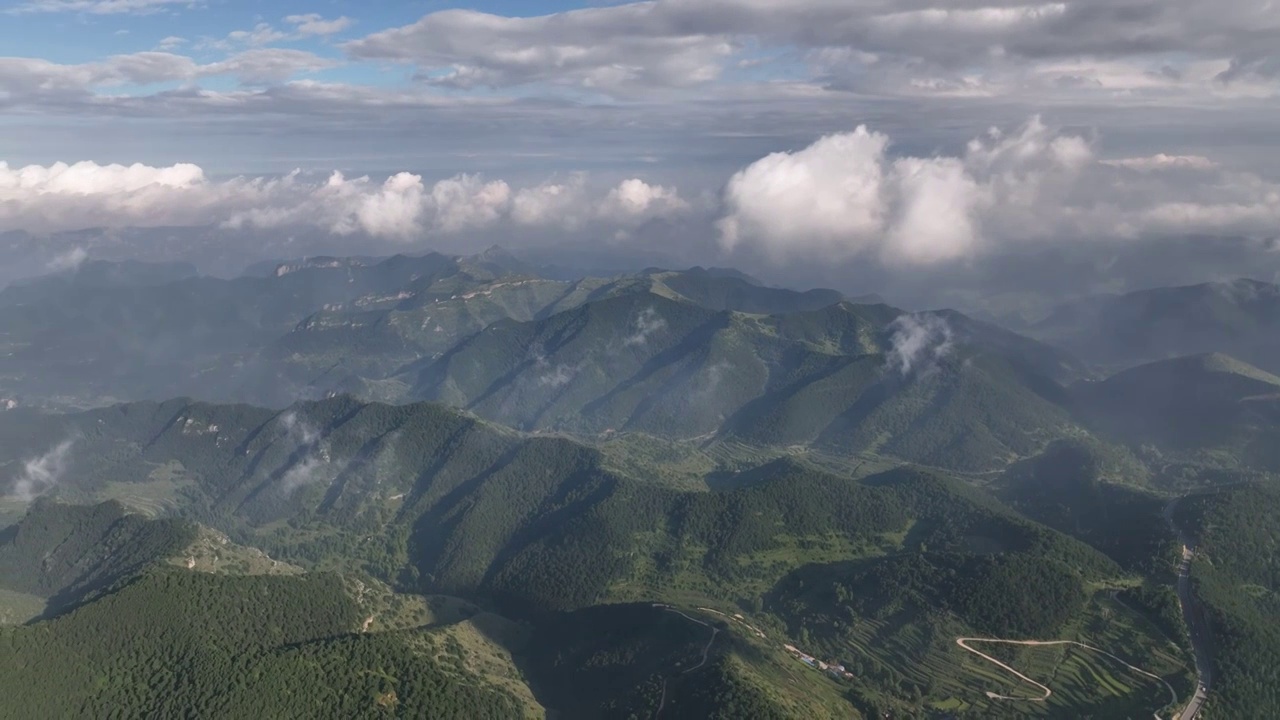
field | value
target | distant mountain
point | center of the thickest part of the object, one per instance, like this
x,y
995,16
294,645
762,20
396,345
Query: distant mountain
x,y
100,273
80,340
1197,404
304,328
1240,318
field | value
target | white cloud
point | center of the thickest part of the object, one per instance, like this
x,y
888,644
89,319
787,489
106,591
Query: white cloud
x,y
26,80
846,196
965,47
171,43
467,202
918,342
313,24
68,261
606,49
268,65
554,202
829,196
100,7
310,455
634,200
403,207
1161,161
42,474
643,327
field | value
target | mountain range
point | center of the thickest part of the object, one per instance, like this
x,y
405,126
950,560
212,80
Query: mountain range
x,y
469,486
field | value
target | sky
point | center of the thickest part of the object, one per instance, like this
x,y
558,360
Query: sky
x,y
964,151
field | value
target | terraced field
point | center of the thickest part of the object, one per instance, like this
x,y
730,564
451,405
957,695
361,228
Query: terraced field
x,y
1083,683
1090,679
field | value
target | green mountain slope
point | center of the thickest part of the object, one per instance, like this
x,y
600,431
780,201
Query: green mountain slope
x,y
66,553
178,643
460,506
845,377
431,500
354,346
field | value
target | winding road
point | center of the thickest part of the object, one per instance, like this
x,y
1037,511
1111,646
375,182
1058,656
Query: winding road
x,y
1190,612
963,642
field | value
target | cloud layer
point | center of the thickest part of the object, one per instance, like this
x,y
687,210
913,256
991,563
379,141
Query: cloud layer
x,y
847,196
966,47
404,207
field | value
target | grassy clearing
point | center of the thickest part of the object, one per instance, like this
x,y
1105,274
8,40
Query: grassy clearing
x,y
17,608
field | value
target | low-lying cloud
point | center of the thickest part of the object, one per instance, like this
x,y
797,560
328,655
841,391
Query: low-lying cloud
x,y
64,197
918,342
42,474
643,327
309,456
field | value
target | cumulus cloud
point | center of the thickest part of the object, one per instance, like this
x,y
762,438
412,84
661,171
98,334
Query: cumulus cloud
x,y
42,474
918,342
846,196
554,202
634,200
402,207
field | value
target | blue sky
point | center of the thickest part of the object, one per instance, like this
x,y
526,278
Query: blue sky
x,y
81,36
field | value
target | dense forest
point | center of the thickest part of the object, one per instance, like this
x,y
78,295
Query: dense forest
x,y
1237,575
178,644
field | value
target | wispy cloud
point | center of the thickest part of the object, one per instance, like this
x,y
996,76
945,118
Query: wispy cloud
x,y
101,7
918,342
42,474
643,327
310,453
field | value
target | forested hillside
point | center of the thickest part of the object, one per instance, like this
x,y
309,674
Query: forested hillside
x,y
938,389
66,554
177,643
1237,575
